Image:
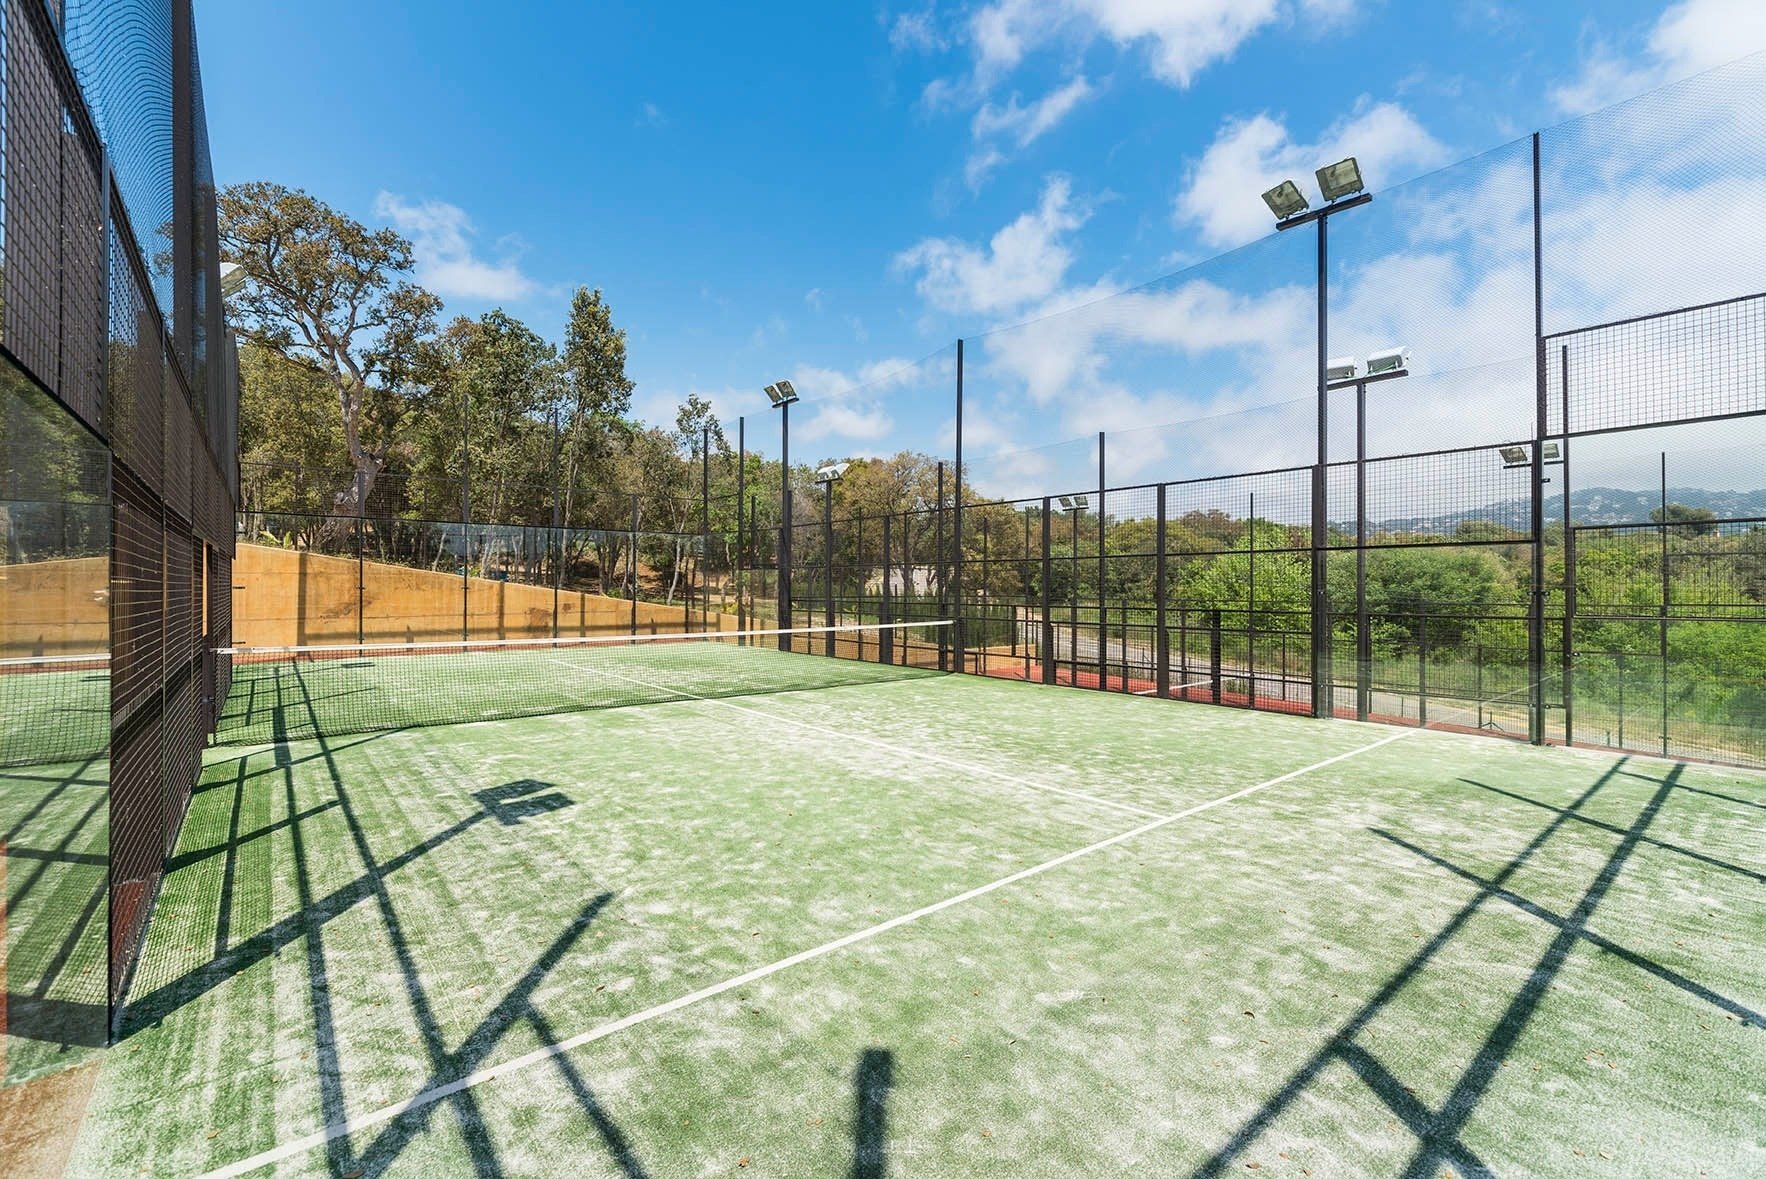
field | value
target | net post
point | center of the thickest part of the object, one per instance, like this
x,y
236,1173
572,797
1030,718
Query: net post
x,y
1048,623
1161,639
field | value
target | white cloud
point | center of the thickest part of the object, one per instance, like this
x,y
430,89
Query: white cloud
x,y
441,241
1023,262
1251,155
815,298
1688,38
652,115
980,165
1181,37
1025,124
916,32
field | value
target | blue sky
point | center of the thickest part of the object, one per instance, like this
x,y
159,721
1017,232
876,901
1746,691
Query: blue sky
x,y
831,190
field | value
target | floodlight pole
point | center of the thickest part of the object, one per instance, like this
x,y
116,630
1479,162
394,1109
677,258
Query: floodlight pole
x,y
828,565
741,563
784,622
704,526
1364,642
1321,606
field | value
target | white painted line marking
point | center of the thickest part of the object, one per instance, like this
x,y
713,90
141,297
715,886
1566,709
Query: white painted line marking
x,y
899,750
540,1055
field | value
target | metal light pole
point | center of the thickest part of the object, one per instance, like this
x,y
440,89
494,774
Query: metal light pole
x,y
828,476
465,513
1381,366
741,562
782,395
1341,185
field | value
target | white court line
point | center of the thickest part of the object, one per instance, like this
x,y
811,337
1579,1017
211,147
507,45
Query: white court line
x,y
900,750
540,1055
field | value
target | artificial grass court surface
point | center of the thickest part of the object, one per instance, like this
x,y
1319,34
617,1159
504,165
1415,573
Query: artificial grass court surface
x,y
1428,953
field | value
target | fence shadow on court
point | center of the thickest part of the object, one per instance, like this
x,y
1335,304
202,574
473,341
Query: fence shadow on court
x,y
1439,1131
509,804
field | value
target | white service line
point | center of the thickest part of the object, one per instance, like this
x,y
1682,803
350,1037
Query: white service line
x,y
899,750
540,1055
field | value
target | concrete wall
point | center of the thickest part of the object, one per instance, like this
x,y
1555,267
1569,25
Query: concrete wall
x,y
285,598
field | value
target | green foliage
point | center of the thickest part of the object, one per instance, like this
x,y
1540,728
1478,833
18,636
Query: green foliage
x,y
1693,521
322,288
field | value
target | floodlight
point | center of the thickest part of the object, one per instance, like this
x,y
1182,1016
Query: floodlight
x,y
1066,503
1514,455
1080,502
1284,200
232,280
787,392
1343,368
772,395
831,472
1550,452
1340,179
1390,361
781,394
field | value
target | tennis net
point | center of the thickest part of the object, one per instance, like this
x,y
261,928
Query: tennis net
x,y
288,693
57,709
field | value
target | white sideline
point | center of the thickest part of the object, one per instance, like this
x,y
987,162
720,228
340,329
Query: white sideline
x,y
539,1055
900,750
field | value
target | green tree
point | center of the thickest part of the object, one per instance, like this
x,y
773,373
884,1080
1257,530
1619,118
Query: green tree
x,y
598,394
1690,520
321,287
291,447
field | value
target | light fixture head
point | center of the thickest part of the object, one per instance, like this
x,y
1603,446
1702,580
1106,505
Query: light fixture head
x,y
831,472
786,393
1549,452
1514,455
1340,179
1390,361
772,395
1081,503
1066,502
1342,368
1285,200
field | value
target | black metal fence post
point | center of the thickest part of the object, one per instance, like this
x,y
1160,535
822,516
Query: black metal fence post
x,y
1667,602
632,567
361,569
1422,669
938,572
1048,622
739,565
1161,637
886,638
1103,568
1251,603
1214,656
959,640
1536,598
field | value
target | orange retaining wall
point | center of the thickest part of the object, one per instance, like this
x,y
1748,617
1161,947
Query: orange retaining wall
x,y
55,607
287,598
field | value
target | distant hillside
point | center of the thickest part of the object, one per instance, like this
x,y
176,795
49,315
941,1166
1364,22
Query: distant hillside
x,y
1589,505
